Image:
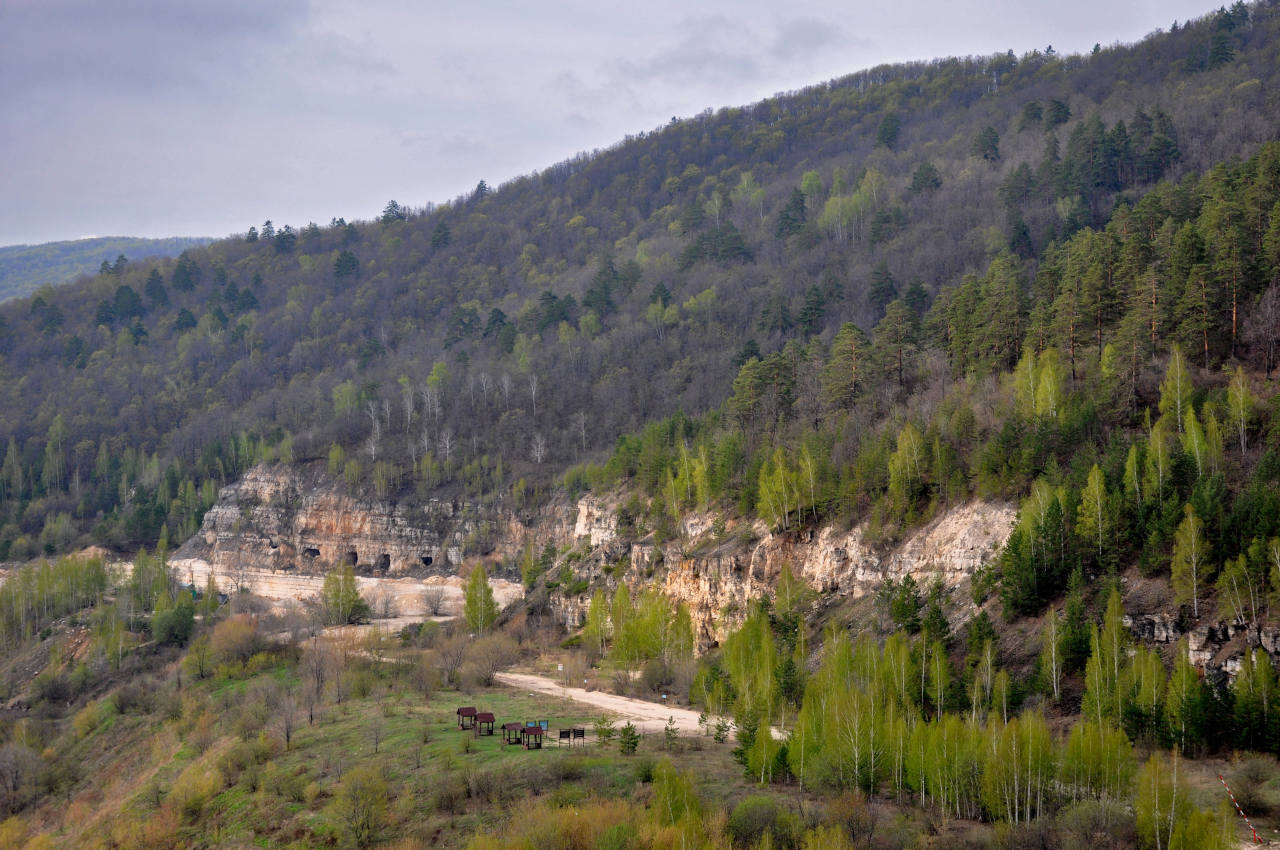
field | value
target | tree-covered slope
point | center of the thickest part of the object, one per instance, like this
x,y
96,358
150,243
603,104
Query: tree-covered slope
x,y
26,268
484,345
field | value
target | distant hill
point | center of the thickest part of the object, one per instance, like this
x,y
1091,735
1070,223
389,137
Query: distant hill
x,y
25,268
829,262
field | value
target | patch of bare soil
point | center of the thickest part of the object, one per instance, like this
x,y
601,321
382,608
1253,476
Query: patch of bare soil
x,y
647,716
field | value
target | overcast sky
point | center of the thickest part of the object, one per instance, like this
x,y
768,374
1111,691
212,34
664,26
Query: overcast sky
x,y
202,117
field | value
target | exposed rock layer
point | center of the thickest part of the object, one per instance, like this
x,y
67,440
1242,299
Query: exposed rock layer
x,y
279,530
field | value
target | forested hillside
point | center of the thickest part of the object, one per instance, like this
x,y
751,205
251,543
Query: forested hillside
x,y
26,268
828,260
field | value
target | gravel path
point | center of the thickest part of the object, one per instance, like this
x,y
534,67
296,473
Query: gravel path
x,y
647,716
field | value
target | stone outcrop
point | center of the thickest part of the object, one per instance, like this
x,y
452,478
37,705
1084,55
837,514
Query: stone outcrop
x,y
279,530
1210,645
717,576
277,519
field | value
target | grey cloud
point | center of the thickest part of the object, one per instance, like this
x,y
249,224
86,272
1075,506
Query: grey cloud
x,y
713,49
132,45
460,146
799,37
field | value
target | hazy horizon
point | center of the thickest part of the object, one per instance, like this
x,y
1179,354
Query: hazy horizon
x,y
148,120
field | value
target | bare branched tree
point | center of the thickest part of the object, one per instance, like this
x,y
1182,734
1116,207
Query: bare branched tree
x,y
580,419
490,654
446,443
1262,328
286,712
539,448
384,604
375,429
450,655
433,601
408,395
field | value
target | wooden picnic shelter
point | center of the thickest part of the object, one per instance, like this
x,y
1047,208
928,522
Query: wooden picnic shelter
x,y
467,717
484,723
532,735
513,733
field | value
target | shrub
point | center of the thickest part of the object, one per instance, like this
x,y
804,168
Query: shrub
x,y
1096,825
449,795
1249,782
757,815
195,787
620,836
51,687
235,640
173,626
360,805
136,696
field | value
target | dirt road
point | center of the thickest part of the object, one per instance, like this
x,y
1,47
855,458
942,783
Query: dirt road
x,y
647,716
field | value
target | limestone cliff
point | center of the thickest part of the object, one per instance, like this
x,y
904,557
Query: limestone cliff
x,y
280,528
716,573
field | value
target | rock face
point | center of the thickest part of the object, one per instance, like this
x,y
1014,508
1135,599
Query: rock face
x,y
275,519
1211,646
279,530
717,581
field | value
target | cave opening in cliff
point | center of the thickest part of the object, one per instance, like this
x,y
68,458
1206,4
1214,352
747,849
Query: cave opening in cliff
x,y
352,559
384,561
426,560
311,552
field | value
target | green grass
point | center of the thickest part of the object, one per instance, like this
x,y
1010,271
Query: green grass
x,y
424,757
